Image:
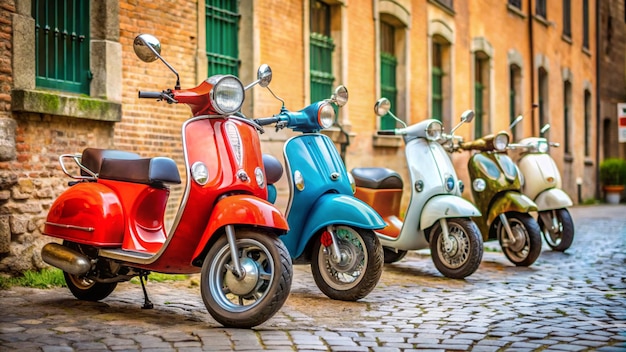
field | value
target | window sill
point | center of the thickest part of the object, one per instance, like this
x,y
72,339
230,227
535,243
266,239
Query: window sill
x,y
516,11
64,104
586,51
567,39
387,141
568,158
588,161
542,20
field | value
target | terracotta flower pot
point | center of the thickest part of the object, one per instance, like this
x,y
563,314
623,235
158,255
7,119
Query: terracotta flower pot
x,y
613,193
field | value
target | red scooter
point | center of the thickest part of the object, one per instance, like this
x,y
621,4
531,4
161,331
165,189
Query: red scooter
x,y
111,218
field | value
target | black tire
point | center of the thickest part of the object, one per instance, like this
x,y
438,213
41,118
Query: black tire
x,y
84,288
527,246
265,288
359,270
561,238
464,256
392,256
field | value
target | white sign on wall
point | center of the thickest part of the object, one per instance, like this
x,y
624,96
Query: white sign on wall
x,y
621,122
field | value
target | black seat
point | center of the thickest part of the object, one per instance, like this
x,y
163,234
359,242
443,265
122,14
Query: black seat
x,y
273,168
129,167
376,178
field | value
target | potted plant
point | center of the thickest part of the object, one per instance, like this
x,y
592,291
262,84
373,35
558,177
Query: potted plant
x,y
613,178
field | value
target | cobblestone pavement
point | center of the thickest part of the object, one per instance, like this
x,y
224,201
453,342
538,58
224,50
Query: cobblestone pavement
x,y
573,301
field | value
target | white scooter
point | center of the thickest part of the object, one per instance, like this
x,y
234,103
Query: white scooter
x,y
437,216
542,184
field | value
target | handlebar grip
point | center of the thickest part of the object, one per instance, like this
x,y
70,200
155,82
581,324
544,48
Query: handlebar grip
x,y
150,95
386,133
267,120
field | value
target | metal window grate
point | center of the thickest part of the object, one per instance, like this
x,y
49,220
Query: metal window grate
x,y
516,3
479,89
567,18
62,45
540,8
586,24
222,36
437,93
388,87
322,77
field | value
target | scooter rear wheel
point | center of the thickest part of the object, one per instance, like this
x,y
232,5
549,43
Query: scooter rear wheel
x,y
562,237
254,298
84,288
359,270
526,231
465,252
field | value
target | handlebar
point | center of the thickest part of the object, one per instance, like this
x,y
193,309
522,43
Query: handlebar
x,y
267,120
386,133
150,95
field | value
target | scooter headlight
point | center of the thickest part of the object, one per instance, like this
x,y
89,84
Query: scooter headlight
x,y
325,115
200,173
479,185
501,141
433,130
227,94
542,147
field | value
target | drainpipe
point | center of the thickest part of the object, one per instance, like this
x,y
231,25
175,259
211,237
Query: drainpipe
x,y
598,110
532,65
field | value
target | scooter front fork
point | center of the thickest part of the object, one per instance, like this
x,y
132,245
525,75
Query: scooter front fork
x,y
549,219
447,242
236,268
507,228
332,243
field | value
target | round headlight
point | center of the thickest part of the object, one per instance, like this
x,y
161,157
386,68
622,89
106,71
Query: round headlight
x,y
501,141
200,173
433,131
325,115
227,95
260,178
542,147
479,185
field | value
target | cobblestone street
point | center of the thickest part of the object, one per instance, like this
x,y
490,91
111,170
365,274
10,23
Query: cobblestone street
x,y
573,301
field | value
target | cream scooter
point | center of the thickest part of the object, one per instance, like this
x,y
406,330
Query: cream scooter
x,y
437,216
542,183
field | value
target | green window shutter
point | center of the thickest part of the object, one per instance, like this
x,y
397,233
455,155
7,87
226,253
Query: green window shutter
x,y
321,52
222,36
388,89
479,109
437,95
62,45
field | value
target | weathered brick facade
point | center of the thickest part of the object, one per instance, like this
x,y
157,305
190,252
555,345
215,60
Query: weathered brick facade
x,y
276,32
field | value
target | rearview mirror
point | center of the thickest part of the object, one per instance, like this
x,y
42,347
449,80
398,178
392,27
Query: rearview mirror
x,y
382,107
147,47
340,96
545,128
517,120
264,75
467,116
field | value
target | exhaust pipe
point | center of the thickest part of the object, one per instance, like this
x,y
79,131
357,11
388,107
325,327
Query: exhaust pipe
x,y
65,259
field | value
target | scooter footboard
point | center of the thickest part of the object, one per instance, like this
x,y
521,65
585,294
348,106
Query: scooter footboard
x,y
510,201
553,198
446,206
242,209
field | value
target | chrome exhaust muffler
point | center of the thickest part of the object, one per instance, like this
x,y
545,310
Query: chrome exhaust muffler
x,y
65,259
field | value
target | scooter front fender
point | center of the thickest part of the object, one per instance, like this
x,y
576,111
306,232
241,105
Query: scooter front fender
x,y
446,206
338,209
510,201
554,198
242,209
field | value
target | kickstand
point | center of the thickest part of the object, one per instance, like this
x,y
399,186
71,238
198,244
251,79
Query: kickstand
x,y
146,303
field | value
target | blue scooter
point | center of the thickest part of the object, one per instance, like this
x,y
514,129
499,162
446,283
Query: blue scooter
x,y
328,227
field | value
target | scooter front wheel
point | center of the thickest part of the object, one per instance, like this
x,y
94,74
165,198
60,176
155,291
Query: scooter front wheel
x,y
358,270
559,231
253,298
527,245
461,255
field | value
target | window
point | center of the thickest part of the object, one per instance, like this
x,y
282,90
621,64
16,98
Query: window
x,y
516,3
515,82
222,37
586,24
437,79
321,51
567,19
540,8
588,117
449,4
62,45
388,71
567,104
543,97
481,94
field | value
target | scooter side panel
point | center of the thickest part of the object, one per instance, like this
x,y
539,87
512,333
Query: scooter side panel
x,y
88,213
242,210
336,209
540,173
509,201
446,206
554,198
